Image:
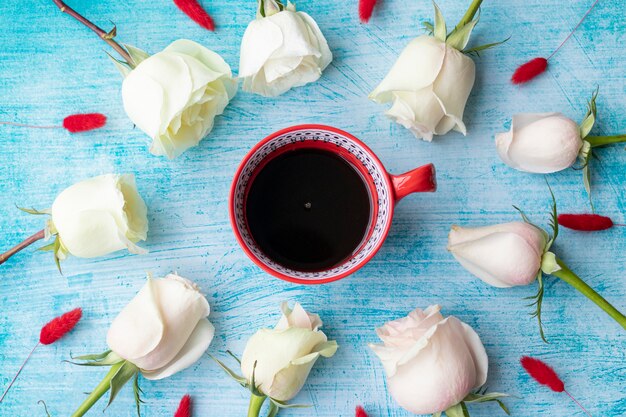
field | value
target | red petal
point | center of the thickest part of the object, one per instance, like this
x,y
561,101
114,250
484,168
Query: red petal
x,y
366,7
585,222
194,10
184,408
542,373
58,327
84,122
529,70
360,412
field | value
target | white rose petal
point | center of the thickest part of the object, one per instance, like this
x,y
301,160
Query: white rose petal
x,y
429,86
174,95
431,362
502,255
281,51
100,215
540,143
164,328
285,355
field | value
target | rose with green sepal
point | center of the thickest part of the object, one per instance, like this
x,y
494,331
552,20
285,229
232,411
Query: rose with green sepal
x,y
518,253
431,80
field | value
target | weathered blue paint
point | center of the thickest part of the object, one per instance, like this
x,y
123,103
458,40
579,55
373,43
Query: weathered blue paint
x,y
50,66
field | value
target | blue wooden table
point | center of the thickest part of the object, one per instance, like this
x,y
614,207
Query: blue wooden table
x,y
50,67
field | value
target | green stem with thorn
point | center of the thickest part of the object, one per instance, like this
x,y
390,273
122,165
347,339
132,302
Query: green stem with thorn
x,y
605,140
575,281
99,391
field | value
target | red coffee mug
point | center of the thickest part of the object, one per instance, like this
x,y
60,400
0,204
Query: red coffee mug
x,y
385,191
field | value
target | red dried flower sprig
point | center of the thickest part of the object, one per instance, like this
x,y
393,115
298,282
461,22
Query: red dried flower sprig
x,y
586,222
366,7
50,333
536,66
360,412
74,123
184,408
545,375
196,12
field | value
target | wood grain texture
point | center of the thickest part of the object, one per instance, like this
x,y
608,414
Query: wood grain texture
x,y
51,67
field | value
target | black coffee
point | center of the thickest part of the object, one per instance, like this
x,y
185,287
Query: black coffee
x,y
308,209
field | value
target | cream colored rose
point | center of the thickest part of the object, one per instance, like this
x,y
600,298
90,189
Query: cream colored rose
x,y
285,355
98,216
502,255
282,50
174,95
428,86
164,329
540,143
432,363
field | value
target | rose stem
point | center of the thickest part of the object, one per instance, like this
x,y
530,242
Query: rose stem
x,y
99,391
575,281
34,238
19,371
605,140
469,14
256,402
101,33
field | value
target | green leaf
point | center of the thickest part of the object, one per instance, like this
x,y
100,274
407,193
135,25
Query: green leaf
x,y
56,248
429,27
527,220
33,211
240,380
138,55
232,355
457,410
121,66
590,117
137,394
107,358
554,222
122,376
283,404
47,248
458,39
440,31
537,304
487,397
477,49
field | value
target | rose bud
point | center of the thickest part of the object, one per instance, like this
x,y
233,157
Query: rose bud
x,y
432,363
174,95
540,143
281,358
429,85
518,253
99,216
503,255
164,329
281,49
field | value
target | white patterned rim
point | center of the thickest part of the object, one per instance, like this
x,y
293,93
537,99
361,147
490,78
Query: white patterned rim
x,y
373,167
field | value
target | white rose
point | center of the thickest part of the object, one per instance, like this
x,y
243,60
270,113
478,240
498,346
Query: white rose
x,y
285,49
431,363
429,85
174,95
164,329
540,143
285,355
100,215
502,255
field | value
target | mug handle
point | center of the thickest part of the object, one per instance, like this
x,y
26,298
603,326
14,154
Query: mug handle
x,y
418,180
